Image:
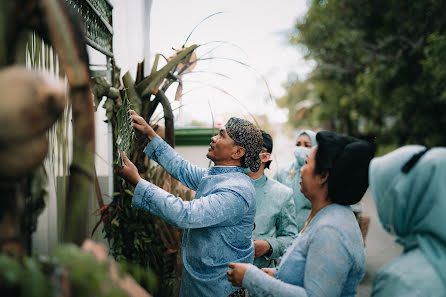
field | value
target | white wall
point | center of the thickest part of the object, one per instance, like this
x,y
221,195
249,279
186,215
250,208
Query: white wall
x,y
131,28
195,154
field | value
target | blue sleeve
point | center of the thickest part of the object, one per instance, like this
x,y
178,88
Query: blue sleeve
x,y
224,205
261,284
326,270
279,175
188,174
286,228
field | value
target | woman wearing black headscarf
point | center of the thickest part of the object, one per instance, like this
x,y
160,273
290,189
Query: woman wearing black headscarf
x,y
327,258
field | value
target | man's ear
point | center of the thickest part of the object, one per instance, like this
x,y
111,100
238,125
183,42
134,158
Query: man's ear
x,y
238,153
265,157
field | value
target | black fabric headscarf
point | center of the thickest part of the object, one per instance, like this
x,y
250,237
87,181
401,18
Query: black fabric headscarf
x,y
347,160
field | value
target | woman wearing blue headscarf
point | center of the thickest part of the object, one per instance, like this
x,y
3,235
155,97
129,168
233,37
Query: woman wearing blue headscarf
x,y
409,189
290,175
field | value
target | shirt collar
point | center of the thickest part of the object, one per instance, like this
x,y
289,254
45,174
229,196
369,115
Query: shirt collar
x,y
214,170
260,181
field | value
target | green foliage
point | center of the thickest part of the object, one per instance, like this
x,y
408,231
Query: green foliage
x,y
87,276
24,280
144,276
134,239
36,277
380,69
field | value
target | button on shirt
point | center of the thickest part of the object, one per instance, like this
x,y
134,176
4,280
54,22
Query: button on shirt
x,y
218,222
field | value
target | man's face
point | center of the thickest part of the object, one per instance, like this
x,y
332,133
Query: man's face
x,y
222,148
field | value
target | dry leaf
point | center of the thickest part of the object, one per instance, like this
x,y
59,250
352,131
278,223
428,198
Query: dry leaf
x,y
179,91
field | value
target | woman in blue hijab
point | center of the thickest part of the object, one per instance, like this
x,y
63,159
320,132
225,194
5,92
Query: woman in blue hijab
x,y
290,175
409,189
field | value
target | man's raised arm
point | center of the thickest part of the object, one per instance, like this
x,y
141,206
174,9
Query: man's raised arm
x,y
188,174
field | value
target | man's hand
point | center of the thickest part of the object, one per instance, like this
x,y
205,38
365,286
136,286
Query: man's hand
x,y
129,171
237,274
261,247
141,125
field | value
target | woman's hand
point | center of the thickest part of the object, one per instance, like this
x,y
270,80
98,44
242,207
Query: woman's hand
x,y
269,271
141,125
237,274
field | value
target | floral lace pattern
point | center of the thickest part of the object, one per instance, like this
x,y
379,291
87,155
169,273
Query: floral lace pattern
x,y
326,260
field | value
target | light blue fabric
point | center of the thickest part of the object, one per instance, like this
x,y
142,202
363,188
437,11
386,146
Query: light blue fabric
x,y
218,222
311,135
326,260
413,207
274,218
410,275
290,176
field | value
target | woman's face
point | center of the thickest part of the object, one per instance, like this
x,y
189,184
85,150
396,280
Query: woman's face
x,y
304,140
310,182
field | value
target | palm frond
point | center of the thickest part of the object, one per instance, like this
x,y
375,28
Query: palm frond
x,y
246,65
220,43
208,17
209,72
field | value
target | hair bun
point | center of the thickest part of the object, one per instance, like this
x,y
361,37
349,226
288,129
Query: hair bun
x,y
347,159
349,178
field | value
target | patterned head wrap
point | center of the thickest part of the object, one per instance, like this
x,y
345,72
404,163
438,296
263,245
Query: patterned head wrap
x,y
246,134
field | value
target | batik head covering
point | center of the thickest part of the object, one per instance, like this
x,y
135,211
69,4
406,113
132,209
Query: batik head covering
x,y
246,134
310,134
347,160
411,202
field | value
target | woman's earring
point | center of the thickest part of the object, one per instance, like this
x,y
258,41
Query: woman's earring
x,y
321,185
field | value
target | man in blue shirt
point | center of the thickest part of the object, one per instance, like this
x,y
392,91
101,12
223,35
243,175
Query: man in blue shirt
x,y
218,222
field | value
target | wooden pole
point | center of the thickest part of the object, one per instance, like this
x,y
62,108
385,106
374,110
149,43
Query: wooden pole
x,y
68,40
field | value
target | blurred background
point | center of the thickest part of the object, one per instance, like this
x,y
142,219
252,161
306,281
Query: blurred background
x,y
370,69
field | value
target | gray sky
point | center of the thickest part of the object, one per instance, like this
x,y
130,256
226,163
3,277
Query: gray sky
x,y
257,31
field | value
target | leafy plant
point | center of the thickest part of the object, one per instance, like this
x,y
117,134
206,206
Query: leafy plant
x,y
379,70
68,270
134,238
26,279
